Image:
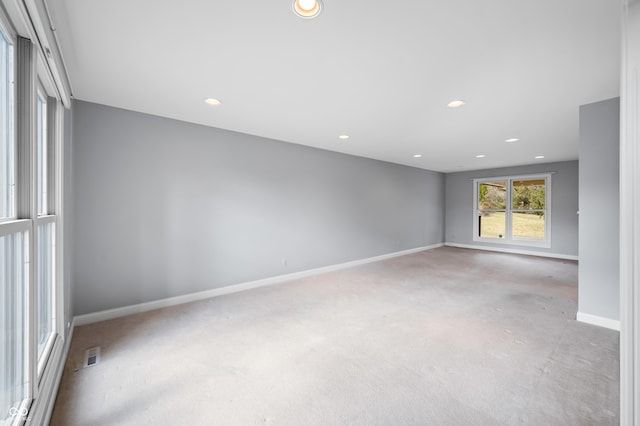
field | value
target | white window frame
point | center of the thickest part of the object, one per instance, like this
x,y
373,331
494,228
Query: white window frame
x,y
43,214
42,205
6,229
53,203
41,362
508,237
11,36
12,225
40,372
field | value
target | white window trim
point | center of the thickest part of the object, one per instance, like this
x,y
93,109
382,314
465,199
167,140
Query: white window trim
x,y
14,226
9,32
43,369
42,192
7,27
22,21
509,240
42,362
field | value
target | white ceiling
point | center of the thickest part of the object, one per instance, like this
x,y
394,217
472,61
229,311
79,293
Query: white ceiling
x,y
379,71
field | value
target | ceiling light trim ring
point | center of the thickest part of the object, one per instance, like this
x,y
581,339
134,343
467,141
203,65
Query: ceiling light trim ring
x,y
306,12
456,103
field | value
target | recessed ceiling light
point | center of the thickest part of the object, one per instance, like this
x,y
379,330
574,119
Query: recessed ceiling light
x,y
212,101
455,104
417,155
343,137
537,157
307,8
480,156
512,140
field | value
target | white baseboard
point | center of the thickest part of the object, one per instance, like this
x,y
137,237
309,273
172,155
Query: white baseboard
x,y
515,251
599,321
42,408
193,297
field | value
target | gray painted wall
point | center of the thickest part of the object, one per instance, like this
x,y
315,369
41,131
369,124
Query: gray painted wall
x,y
564,206
165,208
599,288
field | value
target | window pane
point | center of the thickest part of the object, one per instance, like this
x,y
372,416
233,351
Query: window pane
x,y
492,195
45,286
528,194
13,352
41,116
6,129
528,225
491,225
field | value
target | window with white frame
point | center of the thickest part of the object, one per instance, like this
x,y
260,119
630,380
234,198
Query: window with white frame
x,y
512,210
7,145
14,363
45,291
29,208
15,237
44,222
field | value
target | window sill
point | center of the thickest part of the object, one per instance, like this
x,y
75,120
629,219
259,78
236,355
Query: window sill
x,y
522,243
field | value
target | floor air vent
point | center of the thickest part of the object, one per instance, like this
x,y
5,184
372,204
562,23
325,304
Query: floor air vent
x,y
91,357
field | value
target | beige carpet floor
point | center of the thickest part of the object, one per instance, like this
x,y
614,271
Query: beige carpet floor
x,y
441,337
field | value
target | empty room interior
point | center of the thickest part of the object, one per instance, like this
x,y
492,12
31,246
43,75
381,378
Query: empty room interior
x,y
319,212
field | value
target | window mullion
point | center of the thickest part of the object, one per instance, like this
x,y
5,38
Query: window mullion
x,y
507,212
52,157
25,129
25,188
